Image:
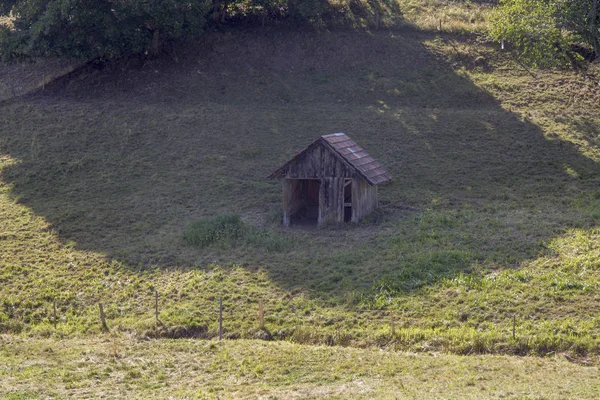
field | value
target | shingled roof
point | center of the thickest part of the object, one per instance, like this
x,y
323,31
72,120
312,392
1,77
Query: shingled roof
x,y
349,151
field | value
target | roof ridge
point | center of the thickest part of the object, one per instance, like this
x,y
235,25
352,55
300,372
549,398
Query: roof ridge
x,y
350,153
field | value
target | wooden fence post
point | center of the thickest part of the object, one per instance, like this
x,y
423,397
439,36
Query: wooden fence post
x,y
221,318
102,317
514,326
156,305
261,315
392,326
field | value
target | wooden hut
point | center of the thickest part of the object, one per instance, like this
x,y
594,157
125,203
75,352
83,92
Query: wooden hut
x,y
331,181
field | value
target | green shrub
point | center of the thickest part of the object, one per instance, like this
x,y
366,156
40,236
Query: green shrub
x,y
220,229
229,229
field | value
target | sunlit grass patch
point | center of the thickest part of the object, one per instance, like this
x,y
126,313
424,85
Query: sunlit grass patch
x,y
448,16
6,21
112,367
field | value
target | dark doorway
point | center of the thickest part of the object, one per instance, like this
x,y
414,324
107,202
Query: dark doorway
x,y
348,200
306,198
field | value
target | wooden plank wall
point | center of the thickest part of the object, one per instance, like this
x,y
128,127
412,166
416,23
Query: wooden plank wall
x,y
331,201
319,162
364,199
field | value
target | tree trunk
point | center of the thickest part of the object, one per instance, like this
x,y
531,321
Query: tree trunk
x,y
218,13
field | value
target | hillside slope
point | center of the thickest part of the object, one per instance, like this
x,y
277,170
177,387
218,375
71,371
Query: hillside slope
x,y
492,212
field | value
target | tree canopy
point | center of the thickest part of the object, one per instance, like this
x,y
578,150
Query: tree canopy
x,y
88,28
106,28
549,32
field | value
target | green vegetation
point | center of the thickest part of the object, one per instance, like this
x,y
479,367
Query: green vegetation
x,y
87,29
550,32
230,230
108,29
458,16
114,367
214,230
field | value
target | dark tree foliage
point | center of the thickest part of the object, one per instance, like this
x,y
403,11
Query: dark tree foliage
x,y
98,28
6,6
108,28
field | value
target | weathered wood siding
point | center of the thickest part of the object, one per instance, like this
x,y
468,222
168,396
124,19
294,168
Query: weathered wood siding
x,y
318,162
321,163
292,199
331,201
364,199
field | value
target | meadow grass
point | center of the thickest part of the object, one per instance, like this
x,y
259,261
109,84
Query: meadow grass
x,y
230,230
454,16
118,367
492,212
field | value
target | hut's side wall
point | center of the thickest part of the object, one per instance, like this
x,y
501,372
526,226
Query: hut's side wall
x,y
318,162
331,201
364,199
292,199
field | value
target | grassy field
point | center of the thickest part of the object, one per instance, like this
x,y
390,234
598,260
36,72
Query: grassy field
x,y
116,368
492,214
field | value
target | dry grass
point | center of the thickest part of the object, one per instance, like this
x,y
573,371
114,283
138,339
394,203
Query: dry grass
x,y
6,21
114,367
454,16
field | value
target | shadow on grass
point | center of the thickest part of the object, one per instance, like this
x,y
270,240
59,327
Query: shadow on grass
x,y
121,160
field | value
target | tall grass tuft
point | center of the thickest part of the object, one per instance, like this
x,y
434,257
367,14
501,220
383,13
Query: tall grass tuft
x,y
219,229
229,229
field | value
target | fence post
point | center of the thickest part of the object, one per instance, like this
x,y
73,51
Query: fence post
x,y
156,305
54,312
392,323
261,315
514,326
102,317
221,318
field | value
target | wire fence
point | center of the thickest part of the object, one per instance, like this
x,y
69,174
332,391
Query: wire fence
x,y
390,318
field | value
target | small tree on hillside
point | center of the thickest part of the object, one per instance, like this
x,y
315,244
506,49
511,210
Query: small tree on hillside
x,y
546,30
